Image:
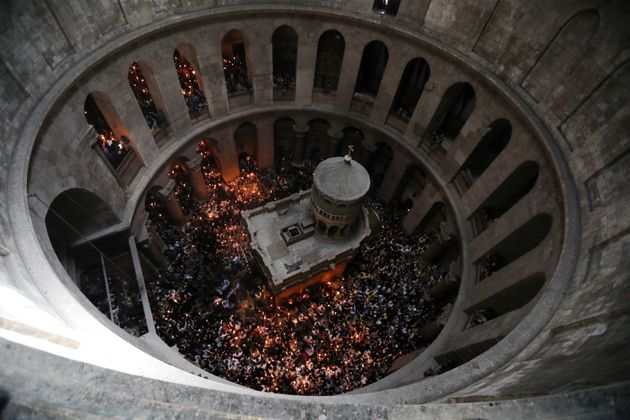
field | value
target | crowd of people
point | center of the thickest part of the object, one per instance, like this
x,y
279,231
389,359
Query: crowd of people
x,y
194,97
236,80
211,302
285,82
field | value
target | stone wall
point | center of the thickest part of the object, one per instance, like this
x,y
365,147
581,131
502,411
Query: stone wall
x,y
565,63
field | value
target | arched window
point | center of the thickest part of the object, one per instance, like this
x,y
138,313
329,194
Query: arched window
x,y
283,140
189,80
371,70
522,240
388,7
284,41
491,145
147,94
317,140
236,68
330,51
111,136
409,91
512,189
454,109
246,140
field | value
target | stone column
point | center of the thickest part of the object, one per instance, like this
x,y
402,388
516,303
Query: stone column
x,y
443,239
166,77
425,108
226,154
421,207
387,89
335,139
211,69
171,203
131,116
300,142
266,147
305,69
198,182
154,247
368,148
432,329
261,65
348,75
447,286
393,176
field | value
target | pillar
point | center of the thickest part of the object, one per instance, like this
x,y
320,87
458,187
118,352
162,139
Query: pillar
x,y
421,207
387,89
368,148
198,182
131,116
262,70
211,70
266,148
432,329
445,287
335,139
443,238
305,69
393,177
300,142
154,247
173,208
348,75
174,104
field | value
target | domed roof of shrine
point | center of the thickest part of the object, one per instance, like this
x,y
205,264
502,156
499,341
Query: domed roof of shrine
x,y
342,178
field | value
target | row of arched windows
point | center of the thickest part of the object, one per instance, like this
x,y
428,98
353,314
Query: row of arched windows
x,y
455,108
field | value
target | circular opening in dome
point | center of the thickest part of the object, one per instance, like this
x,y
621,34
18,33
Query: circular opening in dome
x,y
353,325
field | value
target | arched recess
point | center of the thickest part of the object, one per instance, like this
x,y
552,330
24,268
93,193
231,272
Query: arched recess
x,y
491,145
246,142
456,106
522,240
74,214
388,7
410,87
284,42
237,69
283,140
330,50
556,66
352,136
381,161
511,191
111,138
101,268
187,69
371,71
149,98
411,186
317,140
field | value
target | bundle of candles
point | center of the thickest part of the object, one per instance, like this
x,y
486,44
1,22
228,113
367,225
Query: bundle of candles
x,y
332,337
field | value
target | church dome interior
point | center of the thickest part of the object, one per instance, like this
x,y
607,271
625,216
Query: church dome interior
x,y
315,209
